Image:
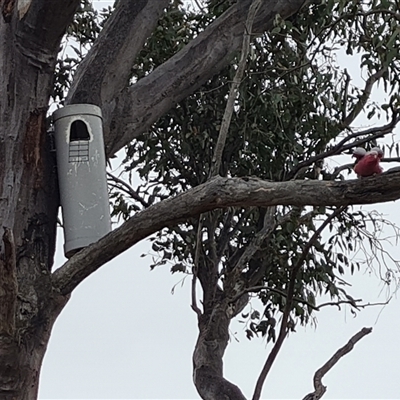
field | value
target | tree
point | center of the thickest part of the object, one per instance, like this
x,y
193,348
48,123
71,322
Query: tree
x,y
230,207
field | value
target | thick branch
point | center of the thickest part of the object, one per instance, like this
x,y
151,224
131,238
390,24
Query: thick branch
x,y
222,193
106,69
320,389
41,26
151,97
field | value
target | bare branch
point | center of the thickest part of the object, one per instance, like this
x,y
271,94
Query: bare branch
x,y
106,69
139,106
233,92
255,289
217,157
354,303
222,193
195,308
320,389
289,301
270,223
369,84
128,189
391,159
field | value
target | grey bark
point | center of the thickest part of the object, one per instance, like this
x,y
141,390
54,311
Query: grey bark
x,y
140,105
208,354
30,34
129,111
106,69
222,193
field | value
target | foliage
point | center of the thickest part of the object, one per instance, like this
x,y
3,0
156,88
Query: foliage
x,y
295,103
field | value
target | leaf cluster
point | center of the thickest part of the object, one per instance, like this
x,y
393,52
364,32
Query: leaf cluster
x,y
294,103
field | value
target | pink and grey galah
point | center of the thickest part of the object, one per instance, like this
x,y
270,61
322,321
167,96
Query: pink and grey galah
x,y
367,163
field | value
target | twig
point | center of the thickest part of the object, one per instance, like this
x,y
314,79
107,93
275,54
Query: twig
x,y
269,225
129,190
339,169
346,93
364,97
391,159
286,313
194,306
255,289
199,6
320,389
352,303
226,119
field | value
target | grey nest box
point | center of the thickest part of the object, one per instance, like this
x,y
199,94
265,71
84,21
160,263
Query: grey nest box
x,y
82,176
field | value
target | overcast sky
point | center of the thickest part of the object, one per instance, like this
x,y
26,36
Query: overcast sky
x,y
123,335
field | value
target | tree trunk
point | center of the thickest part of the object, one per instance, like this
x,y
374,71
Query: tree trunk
x,y
21,354
30,34
207,357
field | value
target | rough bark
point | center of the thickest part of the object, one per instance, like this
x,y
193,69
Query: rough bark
x,y
30,33
222,193
207,357
106,69
137,107
142,104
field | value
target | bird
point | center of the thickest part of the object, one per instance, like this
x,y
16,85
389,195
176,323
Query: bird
x,y
368,164
379,151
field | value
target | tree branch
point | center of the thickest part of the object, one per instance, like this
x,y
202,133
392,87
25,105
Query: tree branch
x,y
41,25
320,389
128,189
219,148
289,300
233,92
362,101
196,260
269,225
222,193
106,69
139,106
370,134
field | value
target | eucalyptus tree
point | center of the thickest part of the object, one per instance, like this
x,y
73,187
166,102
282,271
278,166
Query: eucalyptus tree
x,y
239,206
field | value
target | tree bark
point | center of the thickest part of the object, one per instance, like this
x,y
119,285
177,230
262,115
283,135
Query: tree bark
x,y
30,33
222,193
207,357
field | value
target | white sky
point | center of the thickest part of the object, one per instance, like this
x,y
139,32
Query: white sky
x,y
123,335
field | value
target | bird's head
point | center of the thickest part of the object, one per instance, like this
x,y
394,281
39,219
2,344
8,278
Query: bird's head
x,y
378,151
